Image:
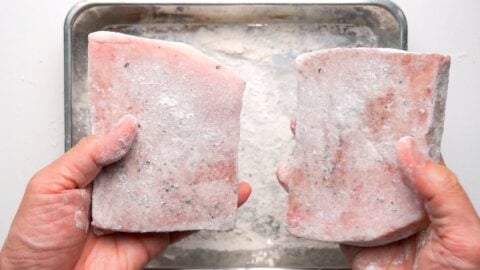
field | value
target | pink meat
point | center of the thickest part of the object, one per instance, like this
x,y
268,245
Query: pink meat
x,y
353,107
181,173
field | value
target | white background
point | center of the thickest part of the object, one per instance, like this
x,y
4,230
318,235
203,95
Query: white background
x,y
31,87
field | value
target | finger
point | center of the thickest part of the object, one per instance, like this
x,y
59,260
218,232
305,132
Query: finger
x,y
293,125
284,174
155,243
77,167
244,191
394,256
139,248
445,200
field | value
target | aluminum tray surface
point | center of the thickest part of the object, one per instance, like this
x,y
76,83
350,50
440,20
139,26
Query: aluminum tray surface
x,y
259,42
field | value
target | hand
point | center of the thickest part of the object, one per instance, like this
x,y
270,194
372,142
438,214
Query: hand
x,y
452,240
51,227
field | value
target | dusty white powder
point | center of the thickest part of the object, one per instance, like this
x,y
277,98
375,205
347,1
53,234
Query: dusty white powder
x,y
109,153
82,212
263,55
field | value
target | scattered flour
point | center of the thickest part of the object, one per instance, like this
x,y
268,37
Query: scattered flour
x,y
263,55
81,218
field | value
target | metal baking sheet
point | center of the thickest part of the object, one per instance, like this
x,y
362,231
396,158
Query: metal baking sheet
x,y
259,42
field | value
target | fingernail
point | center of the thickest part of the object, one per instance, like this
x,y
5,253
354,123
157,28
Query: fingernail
x,y
293,125
284,173
118,141
417,157
127,117
410,158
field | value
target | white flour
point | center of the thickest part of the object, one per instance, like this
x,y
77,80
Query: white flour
x,y
262,54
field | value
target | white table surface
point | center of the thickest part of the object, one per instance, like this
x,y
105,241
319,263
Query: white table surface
x,y
31,87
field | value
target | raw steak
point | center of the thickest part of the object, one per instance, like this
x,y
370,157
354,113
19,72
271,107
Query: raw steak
x,y
181,173
353,107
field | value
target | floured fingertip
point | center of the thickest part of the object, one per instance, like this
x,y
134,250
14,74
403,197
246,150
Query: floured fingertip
x,y
115,144
284,173
244,191
82,213
293,125
409,155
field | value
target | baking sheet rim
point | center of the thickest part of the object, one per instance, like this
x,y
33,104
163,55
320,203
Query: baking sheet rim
x,y
80,7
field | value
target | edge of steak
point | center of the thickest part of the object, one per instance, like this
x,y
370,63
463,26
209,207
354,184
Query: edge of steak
x,y
353,107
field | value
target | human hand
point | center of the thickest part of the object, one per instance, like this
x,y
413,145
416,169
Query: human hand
x,y
51,227
451,241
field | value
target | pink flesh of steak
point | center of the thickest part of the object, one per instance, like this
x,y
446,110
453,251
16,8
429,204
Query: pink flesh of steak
x,y
353,107
181,173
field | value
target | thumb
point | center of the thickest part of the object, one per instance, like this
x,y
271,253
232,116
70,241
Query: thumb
x,y
284,174
77,167
287,174
446,202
